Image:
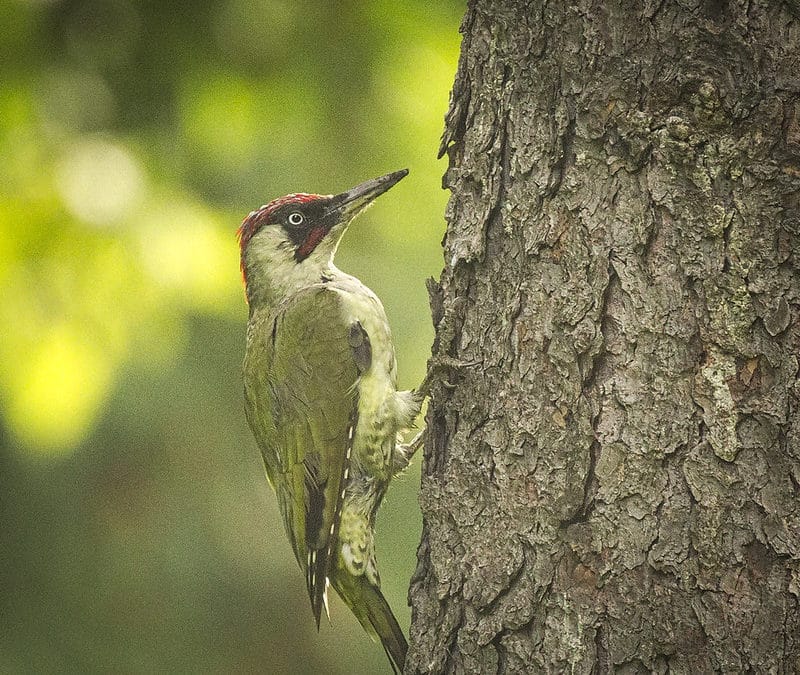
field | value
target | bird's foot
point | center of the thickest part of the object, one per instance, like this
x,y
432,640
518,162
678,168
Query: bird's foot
x,y
404,452
436,365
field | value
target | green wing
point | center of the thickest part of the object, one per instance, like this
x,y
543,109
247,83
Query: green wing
x,y
301,370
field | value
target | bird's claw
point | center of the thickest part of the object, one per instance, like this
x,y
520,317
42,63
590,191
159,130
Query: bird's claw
x,y
437,364
403,453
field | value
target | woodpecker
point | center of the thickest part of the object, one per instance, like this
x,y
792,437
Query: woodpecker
x,y
321,396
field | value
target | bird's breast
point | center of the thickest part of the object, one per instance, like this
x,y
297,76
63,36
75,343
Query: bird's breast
x,y
376,430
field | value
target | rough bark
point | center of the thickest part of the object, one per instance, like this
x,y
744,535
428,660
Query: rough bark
x,y
612,470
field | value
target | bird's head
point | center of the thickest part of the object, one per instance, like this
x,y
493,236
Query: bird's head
x,y
290,243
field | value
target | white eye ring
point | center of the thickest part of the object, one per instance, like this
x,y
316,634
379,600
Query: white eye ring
x,y
296,218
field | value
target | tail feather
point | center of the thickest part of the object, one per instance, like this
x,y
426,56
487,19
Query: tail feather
x,y
373,612
317,582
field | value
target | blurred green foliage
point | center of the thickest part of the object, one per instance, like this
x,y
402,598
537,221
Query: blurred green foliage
x,y
137,531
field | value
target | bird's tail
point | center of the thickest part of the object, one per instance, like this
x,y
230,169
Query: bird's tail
x,y
373,612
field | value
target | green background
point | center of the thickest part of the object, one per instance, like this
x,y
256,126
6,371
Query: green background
x,y
137,531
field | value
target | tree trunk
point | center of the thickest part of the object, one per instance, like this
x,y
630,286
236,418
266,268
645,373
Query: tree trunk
x,y
612,466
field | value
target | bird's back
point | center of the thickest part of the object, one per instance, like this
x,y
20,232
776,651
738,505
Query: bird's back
x,y
301,402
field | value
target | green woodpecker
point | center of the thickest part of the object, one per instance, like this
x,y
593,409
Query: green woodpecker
x,y
321,396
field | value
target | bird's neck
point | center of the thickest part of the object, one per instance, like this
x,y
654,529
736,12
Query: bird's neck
x,y
268,288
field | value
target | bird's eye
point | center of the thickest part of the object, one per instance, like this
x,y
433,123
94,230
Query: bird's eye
x,y
296,218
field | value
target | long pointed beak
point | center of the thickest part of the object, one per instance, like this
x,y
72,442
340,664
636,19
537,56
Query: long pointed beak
x,y
349,204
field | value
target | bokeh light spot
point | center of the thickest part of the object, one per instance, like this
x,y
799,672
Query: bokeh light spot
x,y
55,398
224,97
184,250
99,181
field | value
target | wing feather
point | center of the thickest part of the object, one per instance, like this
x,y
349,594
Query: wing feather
x,y
302,401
